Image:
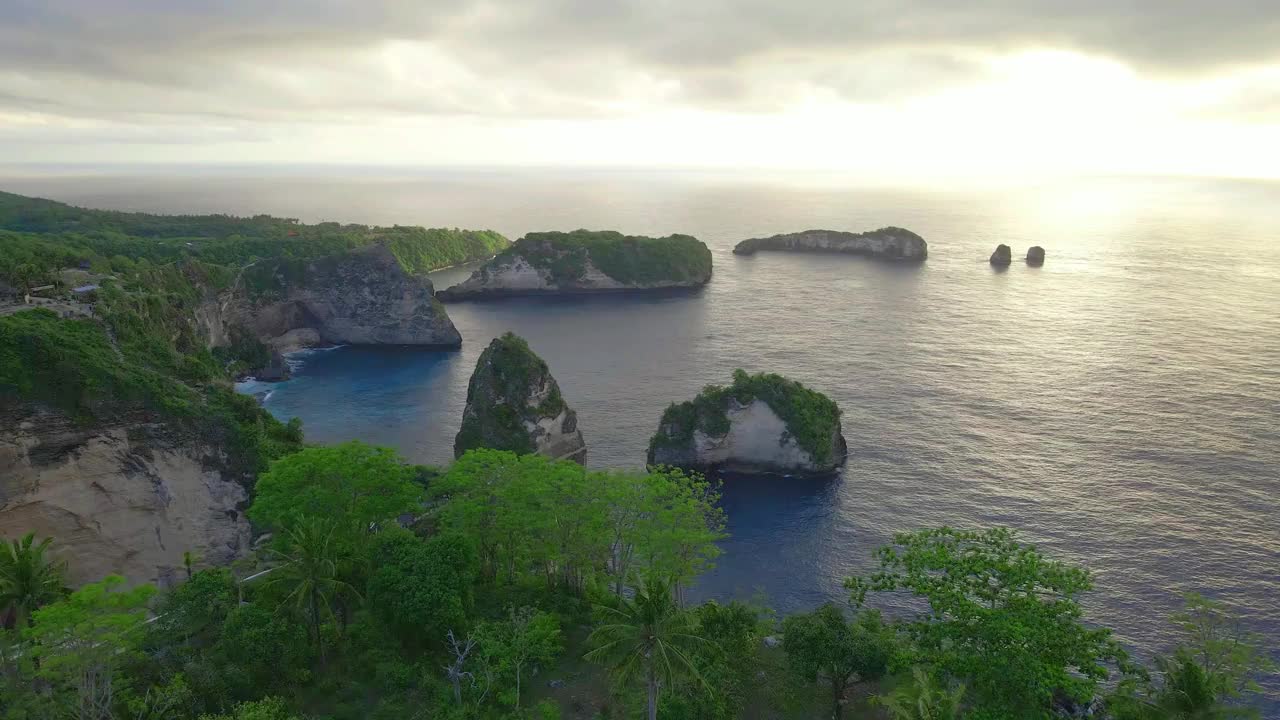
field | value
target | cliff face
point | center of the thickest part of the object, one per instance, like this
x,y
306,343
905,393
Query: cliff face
x,y
588,262
760,424
513,403
363,297
127,497
890,243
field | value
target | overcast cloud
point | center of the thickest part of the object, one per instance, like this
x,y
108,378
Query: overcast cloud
x,y
190,72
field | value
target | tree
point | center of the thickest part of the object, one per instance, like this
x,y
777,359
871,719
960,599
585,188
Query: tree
x,y
29,578
824,645
728,663
271,708
531,515
1208,673
527,636
1002,617
647,637
82,641
353,481
255,653
662,522
923,699
420,588
308,571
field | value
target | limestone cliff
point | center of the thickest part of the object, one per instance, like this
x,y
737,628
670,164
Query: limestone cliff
x,y
888,243
588,262
129,496
361,297
759,424
514,404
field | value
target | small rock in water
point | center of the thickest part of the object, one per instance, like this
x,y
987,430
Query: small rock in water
x,y
1035,256
1002,257
555,683
771,641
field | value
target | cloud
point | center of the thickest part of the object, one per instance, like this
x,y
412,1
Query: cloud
x,y
296,60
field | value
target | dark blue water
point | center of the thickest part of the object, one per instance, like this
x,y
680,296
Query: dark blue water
x,y
1119,406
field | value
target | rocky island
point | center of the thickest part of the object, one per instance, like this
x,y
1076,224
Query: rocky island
x,y
887,243
1003,256
586,261
760,424
514,404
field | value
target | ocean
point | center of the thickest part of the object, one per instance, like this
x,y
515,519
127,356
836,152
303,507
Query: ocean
x,y
1119,407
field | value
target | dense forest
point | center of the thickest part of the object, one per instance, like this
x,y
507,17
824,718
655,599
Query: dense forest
x,y
512,586
502,585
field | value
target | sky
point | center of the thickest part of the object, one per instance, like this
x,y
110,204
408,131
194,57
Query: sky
x,y
882,88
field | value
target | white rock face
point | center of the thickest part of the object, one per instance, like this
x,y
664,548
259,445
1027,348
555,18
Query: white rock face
x,y
558,437
127,499
889,243
757,438
757,441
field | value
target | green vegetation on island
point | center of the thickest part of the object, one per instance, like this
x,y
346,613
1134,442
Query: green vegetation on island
x,y
629,259
811,418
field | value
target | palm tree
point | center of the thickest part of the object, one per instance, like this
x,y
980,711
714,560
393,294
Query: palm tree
x,y
309,569
1190,693
922,699
29,579
647,636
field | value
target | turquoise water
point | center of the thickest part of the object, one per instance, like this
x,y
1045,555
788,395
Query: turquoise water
x,y
1119,406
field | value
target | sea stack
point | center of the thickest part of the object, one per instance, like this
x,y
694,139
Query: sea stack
x,y
1035,256
761,424
887,243
588,262
1002,257
514,404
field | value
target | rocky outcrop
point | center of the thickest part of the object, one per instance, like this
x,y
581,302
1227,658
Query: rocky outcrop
x,y
1035,256
514,404
276,370
1002,257
362,297
888,243
128,497
760,424
584,262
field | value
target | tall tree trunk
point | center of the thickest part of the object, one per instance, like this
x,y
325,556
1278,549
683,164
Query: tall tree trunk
x,y
653,696
517,686
837,693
